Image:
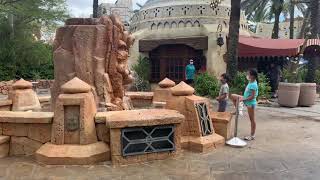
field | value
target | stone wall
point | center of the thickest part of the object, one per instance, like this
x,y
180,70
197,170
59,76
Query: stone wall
x,y
41,84
95,51
180,16
29,131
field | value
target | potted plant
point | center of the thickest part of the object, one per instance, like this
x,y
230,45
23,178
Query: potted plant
x,y
289,90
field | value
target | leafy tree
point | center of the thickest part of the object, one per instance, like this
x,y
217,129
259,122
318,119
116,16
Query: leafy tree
x,y
315,34
22,52
266,10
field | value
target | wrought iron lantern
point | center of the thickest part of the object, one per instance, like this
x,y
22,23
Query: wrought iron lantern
x,y
215,3
220,40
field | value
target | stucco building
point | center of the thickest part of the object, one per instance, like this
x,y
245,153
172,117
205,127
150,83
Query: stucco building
x,y
122,8
171,33
264,30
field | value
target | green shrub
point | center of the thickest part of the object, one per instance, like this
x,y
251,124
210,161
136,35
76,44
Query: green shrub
x,y
317,77
264,86
142,74
239,83
206,85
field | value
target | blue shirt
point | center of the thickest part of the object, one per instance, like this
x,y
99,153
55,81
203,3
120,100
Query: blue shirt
x,y
190,71
252,86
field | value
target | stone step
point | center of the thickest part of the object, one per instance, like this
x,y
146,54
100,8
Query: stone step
x,y
4,146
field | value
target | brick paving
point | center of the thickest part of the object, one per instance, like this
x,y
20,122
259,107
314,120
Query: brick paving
x,y
287,148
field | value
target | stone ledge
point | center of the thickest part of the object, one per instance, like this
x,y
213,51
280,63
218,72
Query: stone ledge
x,y
26,117
67,154
144,117
4,139
6,102
221,117
140,95
202,144
44,98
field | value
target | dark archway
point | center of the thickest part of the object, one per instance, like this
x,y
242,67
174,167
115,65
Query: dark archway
x,y
312,54
170,61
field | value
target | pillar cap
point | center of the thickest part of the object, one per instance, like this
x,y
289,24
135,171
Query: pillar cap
x,y
75,86
22,84
166,83
182,89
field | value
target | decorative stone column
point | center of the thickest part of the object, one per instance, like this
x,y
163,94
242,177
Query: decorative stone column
x,y
74,139
163,93
197,130
23,97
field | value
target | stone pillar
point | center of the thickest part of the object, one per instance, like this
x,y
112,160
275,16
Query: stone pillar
x,y
74,139
95,51
23,97
163,93
197,130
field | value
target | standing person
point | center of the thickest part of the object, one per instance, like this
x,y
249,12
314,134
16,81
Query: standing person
x,y
190,72
224,93
249,98
274,77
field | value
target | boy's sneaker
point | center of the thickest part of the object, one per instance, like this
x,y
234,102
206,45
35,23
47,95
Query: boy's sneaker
x,y
249,138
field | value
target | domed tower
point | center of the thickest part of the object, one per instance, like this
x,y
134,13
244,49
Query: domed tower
x,y
171,32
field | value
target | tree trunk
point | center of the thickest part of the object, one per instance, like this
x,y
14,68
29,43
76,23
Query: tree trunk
x,y
315,32
275,32
291,19
306,21
95,8
234,25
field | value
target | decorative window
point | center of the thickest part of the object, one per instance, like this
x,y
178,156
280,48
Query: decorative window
x,y
144,140
205,121
185,9
201,9
169,10
145,13
156,12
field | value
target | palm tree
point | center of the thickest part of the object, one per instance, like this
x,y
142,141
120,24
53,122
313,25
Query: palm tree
x,y
315,34
269,9
234,26
95,8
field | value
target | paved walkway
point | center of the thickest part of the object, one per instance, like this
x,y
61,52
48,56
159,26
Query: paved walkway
x,y
287,148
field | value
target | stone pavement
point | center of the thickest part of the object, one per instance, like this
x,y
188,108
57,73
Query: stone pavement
x,y
287,148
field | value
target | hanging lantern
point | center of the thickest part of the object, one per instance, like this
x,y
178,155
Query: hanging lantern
x,y
220,41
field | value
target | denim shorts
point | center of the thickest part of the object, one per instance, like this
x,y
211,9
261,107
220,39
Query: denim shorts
x,y
252,106
223,106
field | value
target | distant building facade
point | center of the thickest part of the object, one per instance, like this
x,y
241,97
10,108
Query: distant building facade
x,y
265,29
122,8
171,32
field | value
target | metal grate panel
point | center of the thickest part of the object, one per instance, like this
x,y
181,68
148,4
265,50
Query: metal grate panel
x,y
144,140
205,121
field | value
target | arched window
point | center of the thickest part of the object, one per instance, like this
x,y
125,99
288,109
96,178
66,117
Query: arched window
x,y
181,24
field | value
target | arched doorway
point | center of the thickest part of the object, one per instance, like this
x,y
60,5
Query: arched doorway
x,y
170,61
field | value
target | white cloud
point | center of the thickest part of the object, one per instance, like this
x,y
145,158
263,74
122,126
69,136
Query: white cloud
x,y
83,8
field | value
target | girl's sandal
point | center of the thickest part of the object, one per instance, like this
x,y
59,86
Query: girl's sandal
x,y
249,138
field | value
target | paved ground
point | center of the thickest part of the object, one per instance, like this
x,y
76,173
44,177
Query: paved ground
x,y
287,148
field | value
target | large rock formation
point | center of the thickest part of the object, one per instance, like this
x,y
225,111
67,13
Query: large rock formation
x,y
96,51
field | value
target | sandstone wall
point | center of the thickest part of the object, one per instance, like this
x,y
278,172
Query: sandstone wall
x,y
41,84
95,51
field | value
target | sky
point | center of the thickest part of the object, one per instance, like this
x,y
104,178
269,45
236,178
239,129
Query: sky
x,y
83,8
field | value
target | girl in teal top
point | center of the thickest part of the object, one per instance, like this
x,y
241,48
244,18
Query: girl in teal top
x,y
249,98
